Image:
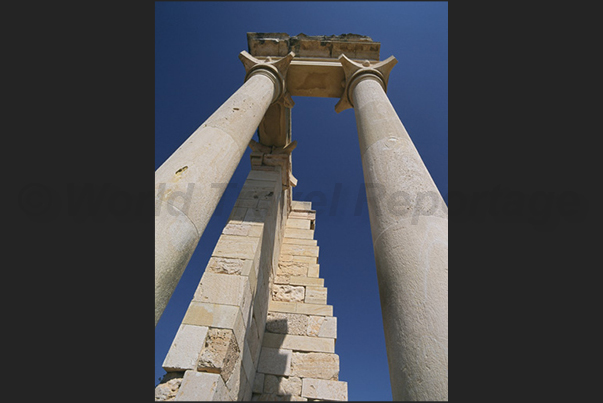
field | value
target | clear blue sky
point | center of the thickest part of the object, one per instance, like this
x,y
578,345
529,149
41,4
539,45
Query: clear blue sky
x,y
197,69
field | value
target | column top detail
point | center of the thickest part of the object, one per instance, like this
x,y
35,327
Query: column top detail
x,y
321,46
354,72
315,71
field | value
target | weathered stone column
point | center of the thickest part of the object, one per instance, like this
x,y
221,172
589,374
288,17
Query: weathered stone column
x,y
192,180
409,225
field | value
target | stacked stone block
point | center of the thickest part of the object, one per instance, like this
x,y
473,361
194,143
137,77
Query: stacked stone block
x,y
215,353
298,360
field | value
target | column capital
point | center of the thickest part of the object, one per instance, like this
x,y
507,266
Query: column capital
x,y
354,72
276,70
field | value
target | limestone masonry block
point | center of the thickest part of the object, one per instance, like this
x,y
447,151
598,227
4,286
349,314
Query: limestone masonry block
x,y
225,265
236,246
315,365
300,307
298,233
301,205
287,293
299,250
167,391
316,295
313,270
185,348
328,327
208,314
265,183
301,343
292,268
239,228
257,229
298,258
314,325
283,385
323,389
300,241
275,361
202,386
225,289
220,353
236,382
314,309
287,323
310,281
264,175
298,223
303,215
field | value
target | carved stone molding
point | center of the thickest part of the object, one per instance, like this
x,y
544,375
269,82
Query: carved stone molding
x,y
354,72
276,70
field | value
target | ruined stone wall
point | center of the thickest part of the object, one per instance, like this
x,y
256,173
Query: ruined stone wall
x,y
298,360
215,353
258,326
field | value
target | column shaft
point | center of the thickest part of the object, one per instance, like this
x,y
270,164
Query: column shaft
x,y
409,226
191,182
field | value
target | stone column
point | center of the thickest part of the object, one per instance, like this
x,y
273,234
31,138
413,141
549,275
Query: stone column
x,y
409,225
191,181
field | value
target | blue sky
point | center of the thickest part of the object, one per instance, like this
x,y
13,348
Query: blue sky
x,y
197,69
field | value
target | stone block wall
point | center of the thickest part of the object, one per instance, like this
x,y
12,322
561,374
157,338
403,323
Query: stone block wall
x,y
298,360
258,326
215,353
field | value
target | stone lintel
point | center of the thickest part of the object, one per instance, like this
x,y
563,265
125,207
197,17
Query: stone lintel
x,y
324,46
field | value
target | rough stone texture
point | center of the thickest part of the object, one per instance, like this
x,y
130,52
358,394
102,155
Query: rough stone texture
x,y
287,323
275,361
287,293
292,268
232,246
220,353
229,265
166,391
185,348
322,389
202,386
315,365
